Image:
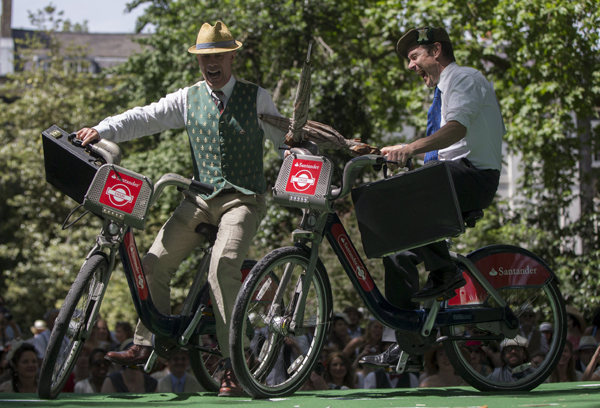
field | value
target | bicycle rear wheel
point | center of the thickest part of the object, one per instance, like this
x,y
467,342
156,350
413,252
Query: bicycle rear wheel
x,y
530,288
72,323
208,367
268,358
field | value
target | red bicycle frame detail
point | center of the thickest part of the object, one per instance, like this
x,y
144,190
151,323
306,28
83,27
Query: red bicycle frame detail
x,y
136,265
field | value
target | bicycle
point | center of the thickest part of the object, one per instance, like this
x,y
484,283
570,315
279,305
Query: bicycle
x,y
291,324
122,198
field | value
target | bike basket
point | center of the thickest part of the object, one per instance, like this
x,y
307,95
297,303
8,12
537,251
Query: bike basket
x,y
120,195
408,210
303,182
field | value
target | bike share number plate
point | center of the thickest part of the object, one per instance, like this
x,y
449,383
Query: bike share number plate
x,y
119,194
303,182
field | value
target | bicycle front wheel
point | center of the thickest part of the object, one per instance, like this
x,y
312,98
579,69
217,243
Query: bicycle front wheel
x,y
530,289
73,321
208,367
269,356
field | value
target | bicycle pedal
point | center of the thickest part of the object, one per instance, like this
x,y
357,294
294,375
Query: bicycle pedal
x,y
446,296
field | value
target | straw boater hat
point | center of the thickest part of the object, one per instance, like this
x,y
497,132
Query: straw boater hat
x,y
519,341
587,342
214,39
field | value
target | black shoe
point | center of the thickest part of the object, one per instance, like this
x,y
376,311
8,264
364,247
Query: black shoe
x,y
440,284
387,358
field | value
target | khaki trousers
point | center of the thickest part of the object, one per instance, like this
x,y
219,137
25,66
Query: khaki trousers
x,y
238,216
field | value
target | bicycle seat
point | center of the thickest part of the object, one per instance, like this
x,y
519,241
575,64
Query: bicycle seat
x,y
209,231
470,218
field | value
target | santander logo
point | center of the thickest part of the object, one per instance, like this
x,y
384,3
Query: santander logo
x,y
352,257
513,271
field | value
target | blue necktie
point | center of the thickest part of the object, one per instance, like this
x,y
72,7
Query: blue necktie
x,y
434,116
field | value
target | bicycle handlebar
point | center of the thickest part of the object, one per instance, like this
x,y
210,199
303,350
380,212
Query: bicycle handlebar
x,y
182,183
351,171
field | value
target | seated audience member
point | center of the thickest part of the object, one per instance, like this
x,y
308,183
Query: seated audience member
x,y
537,359
592,371
528,320
130,381
338,337
40,341
82,366
123,335
514,354
368,344
23,364
593,329
437,362
384,380
546,330
98,372
587,347
339,374
9,329
565,370
316,381
354,317
179,380
479,360
100,336
575,326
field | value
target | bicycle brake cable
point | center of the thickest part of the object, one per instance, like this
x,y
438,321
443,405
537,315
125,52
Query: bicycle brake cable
x,y
69,216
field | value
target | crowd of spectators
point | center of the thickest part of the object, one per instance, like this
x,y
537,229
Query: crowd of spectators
x,y
351,338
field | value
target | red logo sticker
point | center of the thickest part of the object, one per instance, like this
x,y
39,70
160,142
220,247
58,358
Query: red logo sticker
x,y
304,176
501,270
134,260
120,191
351,255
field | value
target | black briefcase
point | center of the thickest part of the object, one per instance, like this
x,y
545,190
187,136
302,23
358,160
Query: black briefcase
x,y
408,210
69,167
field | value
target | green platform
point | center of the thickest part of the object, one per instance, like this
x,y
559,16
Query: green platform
x,y
565,395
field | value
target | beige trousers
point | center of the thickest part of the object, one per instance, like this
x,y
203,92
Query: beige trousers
x,y
238,216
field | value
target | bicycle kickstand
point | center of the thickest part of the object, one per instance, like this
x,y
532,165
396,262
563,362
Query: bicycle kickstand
x,y
401,366
151,362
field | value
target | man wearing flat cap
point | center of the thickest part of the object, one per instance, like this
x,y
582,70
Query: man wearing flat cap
x,y
464,129
226,140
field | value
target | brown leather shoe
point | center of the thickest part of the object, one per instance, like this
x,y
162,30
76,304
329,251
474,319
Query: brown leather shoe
x,y
135,354
230,387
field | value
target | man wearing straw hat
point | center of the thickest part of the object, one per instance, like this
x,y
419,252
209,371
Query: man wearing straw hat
x,y
226,139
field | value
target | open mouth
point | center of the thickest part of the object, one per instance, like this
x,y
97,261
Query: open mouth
x,y
422,73
214,74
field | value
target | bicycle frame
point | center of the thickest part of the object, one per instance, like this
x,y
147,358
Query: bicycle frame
x,y
389,315
180,327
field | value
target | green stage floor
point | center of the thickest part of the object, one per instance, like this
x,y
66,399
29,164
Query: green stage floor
x,y
566,395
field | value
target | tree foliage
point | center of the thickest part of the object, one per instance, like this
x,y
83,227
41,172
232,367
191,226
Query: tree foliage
x,y
541,56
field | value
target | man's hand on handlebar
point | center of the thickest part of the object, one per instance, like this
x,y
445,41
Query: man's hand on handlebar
x,y
87,135
400,153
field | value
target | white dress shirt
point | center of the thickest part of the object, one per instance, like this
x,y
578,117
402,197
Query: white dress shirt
x,y
170,112
468,98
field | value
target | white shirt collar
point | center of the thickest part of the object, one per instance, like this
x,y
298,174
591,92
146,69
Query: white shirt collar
x,y
227,89
445,76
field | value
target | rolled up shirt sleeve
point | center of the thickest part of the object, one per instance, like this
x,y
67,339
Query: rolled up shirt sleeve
x,y
168,113
265,105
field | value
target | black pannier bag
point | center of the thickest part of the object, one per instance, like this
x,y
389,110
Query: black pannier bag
x,y
69,168
408,210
